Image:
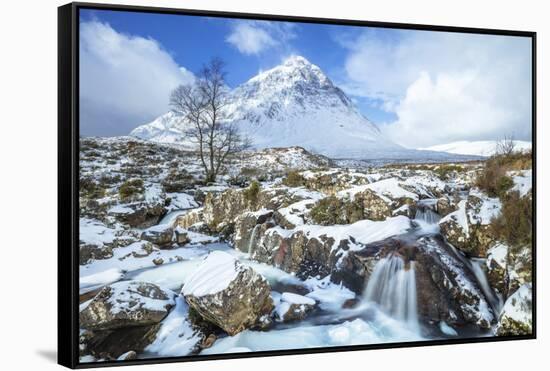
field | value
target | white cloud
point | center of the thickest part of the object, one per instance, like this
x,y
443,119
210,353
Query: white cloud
x,y
125,80
255,37
444,87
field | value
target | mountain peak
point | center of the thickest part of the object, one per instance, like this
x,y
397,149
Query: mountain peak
x,y
296,60
291,104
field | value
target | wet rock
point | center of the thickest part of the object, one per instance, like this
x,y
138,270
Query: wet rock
x,y
228,294
516,315
126,304
160,235
447,288
158,261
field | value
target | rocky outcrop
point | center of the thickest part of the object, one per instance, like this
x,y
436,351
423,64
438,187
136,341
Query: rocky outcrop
x,y
508,268
516,315
221,210
446,288
468,228
245,228
138,214
126,304
228,294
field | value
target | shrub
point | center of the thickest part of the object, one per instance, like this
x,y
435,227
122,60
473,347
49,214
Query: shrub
x,y
130,188
444,171
294,179
252,192
514,223
493,178
332,210
91,189
327,211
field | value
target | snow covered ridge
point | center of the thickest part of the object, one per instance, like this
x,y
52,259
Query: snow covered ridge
x,y
284,106
476,148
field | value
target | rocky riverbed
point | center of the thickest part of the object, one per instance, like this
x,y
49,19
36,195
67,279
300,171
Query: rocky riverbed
x,y
287,250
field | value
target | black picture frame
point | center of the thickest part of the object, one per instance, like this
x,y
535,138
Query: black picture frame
x,y
68,180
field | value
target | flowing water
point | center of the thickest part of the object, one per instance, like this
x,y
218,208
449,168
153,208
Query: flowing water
x,y
252,237
494,300
392,285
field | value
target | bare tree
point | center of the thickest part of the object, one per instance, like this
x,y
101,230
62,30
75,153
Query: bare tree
x,y
203,105
506,146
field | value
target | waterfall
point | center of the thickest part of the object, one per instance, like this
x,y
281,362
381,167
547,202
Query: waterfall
x,y
393,286
252,236
427,215
494,301
427,220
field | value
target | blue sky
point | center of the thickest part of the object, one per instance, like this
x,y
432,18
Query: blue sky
x,y
130,61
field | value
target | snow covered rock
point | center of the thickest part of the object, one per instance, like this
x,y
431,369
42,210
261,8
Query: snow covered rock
x,y
138,214
246,226
516,315
228,294
176,336
292,307
312,250
181,236
497,267
468,228
222,209
160,234
126,304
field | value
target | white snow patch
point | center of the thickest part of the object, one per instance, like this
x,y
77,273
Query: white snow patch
x,y
214,274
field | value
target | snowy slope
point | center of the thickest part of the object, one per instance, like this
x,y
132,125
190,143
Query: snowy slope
x,y
476,148
296,104
292,104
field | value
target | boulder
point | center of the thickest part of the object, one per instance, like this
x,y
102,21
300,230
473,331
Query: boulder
x,y
292,307
138,214
126,304
119,344
89,252
516,315
160,235
468,228
228,294
181,236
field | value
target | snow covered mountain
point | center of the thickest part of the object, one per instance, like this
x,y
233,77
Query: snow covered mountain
x,y
295,104
476,148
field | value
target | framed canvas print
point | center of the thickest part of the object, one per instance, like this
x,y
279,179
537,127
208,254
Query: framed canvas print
x,y
241,185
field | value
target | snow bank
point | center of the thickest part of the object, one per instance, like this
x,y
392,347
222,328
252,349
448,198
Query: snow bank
x,y
213,275
176,337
